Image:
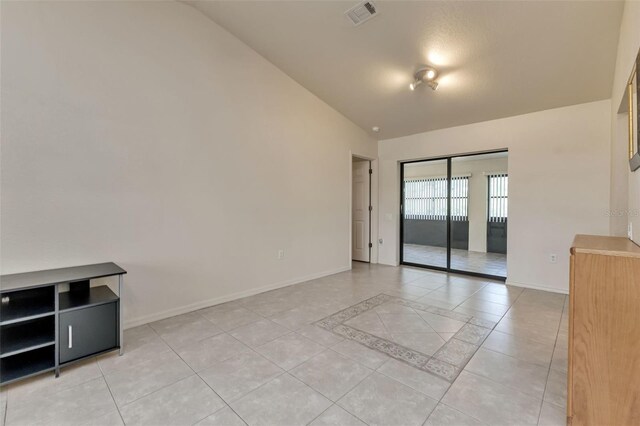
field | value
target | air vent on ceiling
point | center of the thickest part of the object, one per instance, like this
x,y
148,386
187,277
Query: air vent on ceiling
x,y
361,12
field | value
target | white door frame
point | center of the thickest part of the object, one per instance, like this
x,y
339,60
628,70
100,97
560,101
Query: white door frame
x,y
373,257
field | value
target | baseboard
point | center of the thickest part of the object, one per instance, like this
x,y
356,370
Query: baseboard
x,y
537,287
134,322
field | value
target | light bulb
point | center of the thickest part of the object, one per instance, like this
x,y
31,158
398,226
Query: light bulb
x,y
431,74
412,86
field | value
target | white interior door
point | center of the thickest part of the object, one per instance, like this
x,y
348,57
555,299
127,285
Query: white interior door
x,y
360,211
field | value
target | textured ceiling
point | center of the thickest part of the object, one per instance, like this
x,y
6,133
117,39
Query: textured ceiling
x,y
496,58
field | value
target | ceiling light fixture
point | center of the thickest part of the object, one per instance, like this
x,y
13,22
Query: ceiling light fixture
x,y
426,75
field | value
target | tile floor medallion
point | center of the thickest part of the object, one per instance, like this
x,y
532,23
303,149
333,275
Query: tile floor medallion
x,y
447,362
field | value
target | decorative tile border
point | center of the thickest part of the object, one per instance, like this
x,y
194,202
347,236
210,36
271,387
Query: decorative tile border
x,y
446,363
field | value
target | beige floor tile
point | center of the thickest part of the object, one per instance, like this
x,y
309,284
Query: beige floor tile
x,y
283,401
207,352
506,298
336,416
405,323
556,390
478,314
229,318
430,385
508,371
363,355
491,402
456,352
290,350
187,332
498,288
432,282
541,297
560,359
149,348
259,332
369,322
331,374
138,337
462,286
427,300
319,335
449,295
222,417
129,384
443,415
426,343
441,324
184,402
300,316
171,324
551,415
544,334
473,334
393,308
47,383
239,375
86,403
446,336
520,347
380,400
485,306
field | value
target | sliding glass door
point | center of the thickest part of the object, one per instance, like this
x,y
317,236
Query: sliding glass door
x,y
425,212
454,214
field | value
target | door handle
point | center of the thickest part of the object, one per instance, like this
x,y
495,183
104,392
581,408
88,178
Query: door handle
x,y
70,337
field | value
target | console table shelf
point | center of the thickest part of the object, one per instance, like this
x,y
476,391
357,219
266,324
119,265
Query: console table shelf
x,y
55,317
93,296
25,305
28,335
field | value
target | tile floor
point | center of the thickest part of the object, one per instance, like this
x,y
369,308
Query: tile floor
x,y
462,260
267,360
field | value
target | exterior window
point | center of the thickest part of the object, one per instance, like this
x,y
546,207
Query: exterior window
x,y
426,199
498,197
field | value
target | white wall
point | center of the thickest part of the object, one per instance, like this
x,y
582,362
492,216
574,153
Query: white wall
x,y
145,134
478,189
625,186
558,183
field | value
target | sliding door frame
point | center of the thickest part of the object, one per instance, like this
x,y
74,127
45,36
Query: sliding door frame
x,y
448,268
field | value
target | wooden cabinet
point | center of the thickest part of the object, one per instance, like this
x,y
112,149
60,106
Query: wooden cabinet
x,y
604,332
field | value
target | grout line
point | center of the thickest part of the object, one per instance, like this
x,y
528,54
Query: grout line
x,y
6,409
544,392
110,392
324,411
455,409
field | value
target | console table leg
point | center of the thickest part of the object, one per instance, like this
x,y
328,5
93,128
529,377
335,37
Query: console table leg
x,y
56,322
120,318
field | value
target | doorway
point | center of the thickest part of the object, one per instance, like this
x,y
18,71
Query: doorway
x,y
361,210
454,214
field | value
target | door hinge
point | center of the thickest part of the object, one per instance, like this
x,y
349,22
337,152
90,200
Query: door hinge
x,y
370,208
370,171
370,245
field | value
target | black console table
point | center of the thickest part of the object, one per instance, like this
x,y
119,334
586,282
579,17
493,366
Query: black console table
x,y
53,318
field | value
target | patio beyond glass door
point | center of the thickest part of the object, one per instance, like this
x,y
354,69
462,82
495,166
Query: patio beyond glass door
x,y
425,212
454,214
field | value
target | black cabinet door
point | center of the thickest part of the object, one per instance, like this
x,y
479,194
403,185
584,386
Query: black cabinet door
x,y
88,331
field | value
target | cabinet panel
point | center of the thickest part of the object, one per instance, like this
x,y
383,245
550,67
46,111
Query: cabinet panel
x,y
604,332
88,331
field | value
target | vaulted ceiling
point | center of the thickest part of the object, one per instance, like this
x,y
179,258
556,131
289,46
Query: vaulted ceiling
x,y
496,58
